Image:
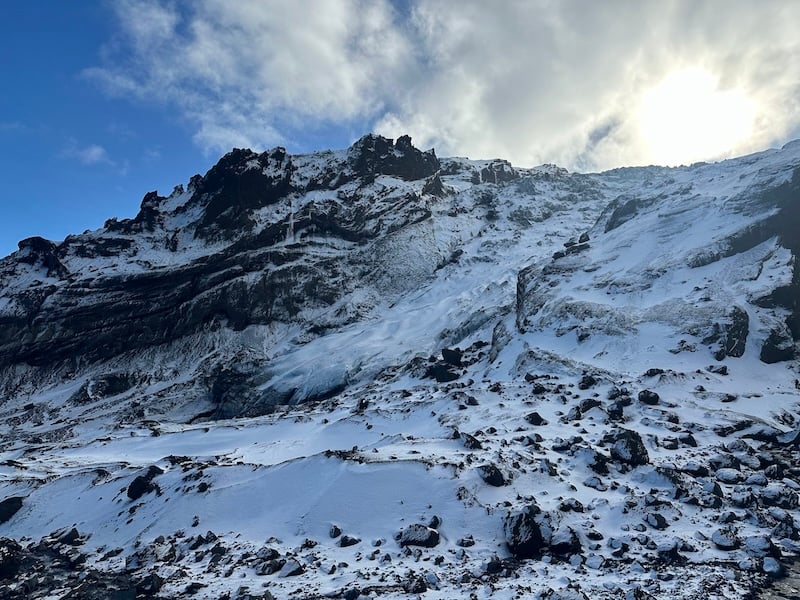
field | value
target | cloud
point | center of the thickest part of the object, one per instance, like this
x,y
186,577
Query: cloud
x,y
251,72
539,81
93,154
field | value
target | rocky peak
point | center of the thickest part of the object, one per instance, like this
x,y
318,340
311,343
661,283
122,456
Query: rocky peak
x,y
376,155
39,252
240,182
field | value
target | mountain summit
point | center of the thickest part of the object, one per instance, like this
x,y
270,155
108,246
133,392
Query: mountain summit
x,y
377,371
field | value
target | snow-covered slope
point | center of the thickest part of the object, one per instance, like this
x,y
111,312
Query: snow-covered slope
x,y
378,372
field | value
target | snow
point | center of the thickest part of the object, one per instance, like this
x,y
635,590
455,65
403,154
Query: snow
x,y
384,455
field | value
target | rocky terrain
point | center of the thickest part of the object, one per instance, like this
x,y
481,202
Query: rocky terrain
x,y
376,372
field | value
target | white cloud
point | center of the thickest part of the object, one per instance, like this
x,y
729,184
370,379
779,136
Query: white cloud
x,y
537,81
92,154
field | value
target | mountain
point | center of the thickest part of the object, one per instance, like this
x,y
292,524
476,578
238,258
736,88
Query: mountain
x,y
377,371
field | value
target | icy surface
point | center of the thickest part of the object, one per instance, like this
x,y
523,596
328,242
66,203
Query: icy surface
x,y
384,453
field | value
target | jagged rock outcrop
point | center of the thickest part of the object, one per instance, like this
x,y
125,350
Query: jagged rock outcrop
x,y
259,275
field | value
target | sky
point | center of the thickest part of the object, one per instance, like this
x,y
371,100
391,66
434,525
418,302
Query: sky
x,y
105,100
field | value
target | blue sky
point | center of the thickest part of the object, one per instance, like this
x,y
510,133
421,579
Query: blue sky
x,y
72,156
106,100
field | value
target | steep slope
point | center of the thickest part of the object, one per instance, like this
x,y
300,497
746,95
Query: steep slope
x,y
411,374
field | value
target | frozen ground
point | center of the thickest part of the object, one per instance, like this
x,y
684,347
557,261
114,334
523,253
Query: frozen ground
x,y
415,478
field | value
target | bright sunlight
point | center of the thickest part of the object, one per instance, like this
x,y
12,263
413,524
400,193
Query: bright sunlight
x,y
686,118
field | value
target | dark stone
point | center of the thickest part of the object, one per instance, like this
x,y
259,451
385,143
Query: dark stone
x,y
452,357
143,484
648,397
441,373
9,507
628,448
588,404
419,535
778,347
657,521
434,187
565,543
41,253
11,556
584,238
571,504
492,475
71,538
271,566
194,587
586,382
416,585
471,442
498,171
535,419
616,411
653,372
466,542
729,338
335,531
494,566
149,585
376,155
349,540
726,539
234,187
292,568
523,534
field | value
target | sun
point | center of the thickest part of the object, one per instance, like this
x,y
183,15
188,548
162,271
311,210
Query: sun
x,y
687,118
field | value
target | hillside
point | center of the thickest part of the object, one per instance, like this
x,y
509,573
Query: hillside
x,y
377,371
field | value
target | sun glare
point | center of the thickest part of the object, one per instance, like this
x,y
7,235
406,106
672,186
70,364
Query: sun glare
x,y
686,118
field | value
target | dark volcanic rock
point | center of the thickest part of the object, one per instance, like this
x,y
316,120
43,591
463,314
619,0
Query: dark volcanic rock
x,y
778,347
492,475
240,182
535,419
41,253
648,397
565,542
627,447
452,356
419,535
376,155
9,507
142,484
441,372
149,585
523,533
254,279
348,540
10,558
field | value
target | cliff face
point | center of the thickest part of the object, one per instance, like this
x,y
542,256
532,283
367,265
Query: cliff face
x,y
304,246
245,244
408,373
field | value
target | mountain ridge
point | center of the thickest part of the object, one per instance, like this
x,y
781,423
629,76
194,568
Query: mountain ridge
x,y
544,381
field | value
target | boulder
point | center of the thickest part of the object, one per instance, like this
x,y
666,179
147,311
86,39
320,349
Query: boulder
x,y
523,533
628,448
452,357
492,475
9,507
143,484
726,539
10,559
419,535
648,397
